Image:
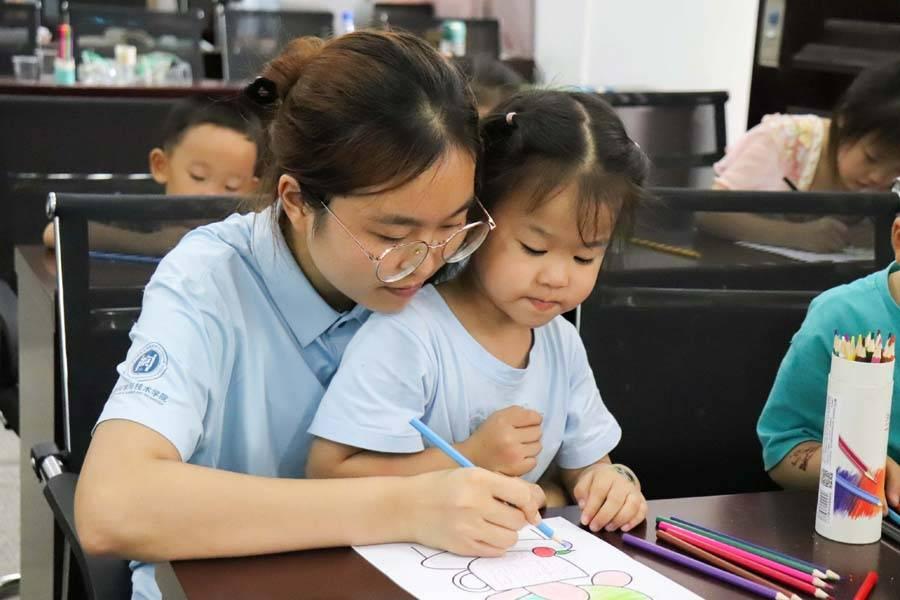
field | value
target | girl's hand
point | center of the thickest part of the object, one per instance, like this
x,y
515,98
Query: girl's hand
x,y
892,484
468,512
608,499
508,441
825,234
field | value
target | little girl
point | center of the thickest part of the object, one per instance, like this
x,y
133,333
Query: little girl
x,y
486,359
857,149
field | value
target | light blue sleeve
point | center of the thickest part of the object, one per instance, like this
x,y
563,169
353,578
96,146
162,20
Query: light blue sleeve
x,y
795,410
385,379
176,361
591,431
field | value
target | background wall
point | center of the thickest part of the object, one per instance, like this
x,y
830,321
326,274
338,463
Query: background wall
x,y
662,45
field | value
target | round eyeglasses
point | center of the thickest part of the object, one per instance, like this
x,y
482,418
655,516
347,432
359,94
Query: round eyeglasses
x,y
402,260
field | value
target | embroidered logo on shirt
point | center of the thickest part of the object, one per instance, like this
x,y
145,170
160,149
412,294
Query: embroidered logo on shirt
x,y
150,364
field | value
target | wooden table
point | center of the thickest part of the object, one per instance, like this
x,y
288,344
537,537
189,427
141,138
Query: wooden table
x,y
783,520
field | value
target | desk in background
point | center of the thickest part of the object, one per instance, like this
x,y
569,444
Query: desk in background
x,y
783,520
723,264
212,87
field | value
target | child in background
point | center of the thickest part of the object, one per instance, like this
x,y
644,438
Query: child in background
x,y
488,362
790,426
857,149
209,149
493,82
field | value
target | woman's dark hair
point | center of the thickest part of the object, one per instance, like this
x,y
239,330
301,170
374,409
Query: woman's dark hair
x,y
542,140
870,105
230,113
362,113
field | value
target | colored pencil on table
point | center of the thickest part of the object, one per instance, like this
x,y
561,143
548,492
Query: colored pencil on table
x,y
856,491
439,442
721,563
735,554
888,354
854,458
659,247
860,350
867,585
876,356
870,343
714,572
851,350
893,516
825,572
117,256
759,551
795,579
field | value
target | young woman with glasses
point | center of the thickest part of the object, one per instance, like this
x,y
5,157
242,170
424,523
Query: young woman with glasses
x,y
200,450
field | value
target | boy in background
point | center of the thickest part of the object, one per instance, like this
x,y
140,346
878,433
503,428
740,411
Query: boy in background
x,y
210,148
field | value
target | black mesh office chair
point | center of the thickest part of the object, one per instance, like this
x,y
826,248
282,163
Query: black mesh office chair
x,y
680,131
100,27
94,322
251,38
18,31
681,361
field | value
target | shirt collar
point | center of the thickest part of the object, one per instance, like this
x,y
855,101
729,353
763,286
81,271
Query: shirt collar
x,y
302,308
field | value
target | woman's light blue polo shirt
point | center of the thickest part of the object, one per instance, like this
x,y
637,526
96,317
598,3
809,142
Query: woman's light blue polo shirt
x,y
231,354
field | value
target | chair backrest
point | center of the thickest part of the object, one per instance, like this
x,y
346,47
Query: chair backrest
x,y
25,203
100,28
680,131
686,373
721,264
482,37
18,31
251,38
100,300
55,129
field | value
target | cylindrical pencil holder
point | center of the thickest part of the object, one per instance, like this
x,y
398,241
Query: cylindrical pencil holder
x,y
854,451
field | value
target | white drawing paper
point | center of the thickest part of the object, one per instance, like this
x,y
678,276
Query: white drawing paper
x,y
584,567
850,254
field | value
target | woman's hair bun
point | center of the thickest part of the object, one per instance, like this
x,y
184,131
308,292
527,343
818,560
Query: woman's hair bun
x,y
287,68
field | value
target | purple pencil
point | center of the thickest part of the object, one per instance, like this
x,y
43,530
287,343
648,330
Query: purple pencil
x,y
715,572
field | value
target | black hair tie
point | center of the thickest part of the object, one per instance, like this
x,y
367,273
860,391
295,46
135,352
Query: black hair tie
x,y
263,91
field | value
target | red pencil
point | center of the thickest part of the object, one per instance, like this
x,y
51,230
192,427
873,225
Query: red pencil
x,y
867,585
855,459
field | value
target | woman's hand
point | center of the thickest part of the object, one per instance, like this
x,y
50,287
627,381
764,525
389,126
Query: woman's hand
x,y
471,512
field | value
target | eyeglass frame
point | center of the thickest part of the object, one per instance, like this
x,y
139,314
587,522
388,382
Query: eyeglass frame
x,y
429,246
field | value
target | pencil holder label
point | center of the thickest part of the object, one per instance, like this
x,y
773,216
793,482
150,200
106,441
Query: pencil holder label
x,y
854,451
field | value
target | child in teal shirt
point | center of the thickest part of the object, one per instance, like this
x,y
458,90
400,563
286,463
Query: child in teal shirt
x,y
790,426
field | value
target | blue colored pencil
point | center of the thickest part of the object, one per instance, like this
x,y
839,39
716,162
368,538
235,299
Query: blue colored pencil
x,y
893,516
856,491
116,256
439,442
828,572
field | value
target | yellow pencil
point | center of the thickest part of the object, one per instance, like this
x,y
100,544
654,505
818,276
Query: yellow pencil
x,y
676,250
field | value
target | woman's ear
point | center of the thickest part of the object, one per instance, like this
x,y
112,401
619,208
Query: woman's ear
x,y
292,202
159,166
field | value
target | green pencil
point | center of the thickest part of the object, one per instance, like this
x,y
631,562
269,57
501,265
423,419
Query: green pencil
x,y
800,566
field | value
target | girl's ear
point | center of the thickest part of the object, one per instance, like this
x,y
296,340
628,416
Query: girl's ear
x,y
159,166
